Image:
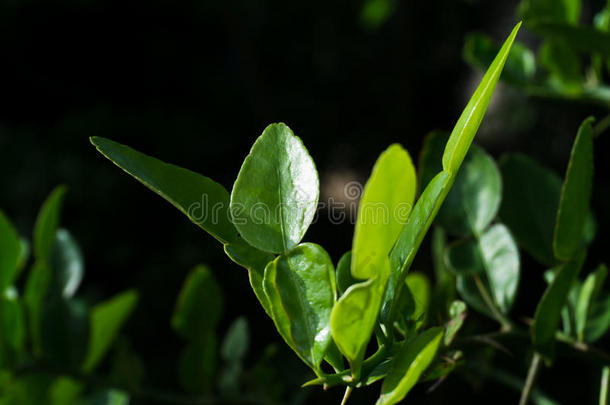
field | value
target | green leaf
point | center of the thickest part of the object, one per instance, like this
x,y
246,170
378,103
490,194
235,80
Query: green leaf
x,y
64,331
65,391
529,205
66,262
107,397
464,131
479,51
457,314
588,293
12,328
375,13
354,316
419,286
301,289
9,254
563,64
344,273
197,366
384,208
550,10
431,157
275,196
469,291
409,364
236,341
35,293
199,305
501,261
106,319
575,196
47,223
598,322
463,257
548,312
582,38
201,199
444,292
475,196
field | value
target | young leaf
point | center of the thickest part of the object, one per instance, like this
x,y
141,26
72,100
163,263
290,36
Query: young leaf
x,y
588,293
201,199
501,262
409,364
419,286
300,286
475,196
105,320
575,195
354,316
385,205
548,312
344,273
529,204
47,223
9,253
275,196
66,262
464,131
199,305
457,314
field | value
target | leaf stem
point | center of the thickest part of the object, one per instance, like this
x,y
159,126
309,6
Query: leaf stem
x,y
505,322
348,392
603,391
531,379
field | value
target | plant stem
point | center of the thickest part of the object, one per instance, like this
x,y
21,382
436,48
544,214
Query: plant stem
x,y
531,379
603,391
348,392
505,322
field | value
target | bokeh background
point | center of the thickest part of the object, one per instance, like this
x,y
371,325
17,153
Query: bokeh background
x,y
195,82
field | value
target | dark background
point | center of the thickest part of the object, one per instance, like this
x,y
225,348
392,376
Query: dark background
x,y
195,82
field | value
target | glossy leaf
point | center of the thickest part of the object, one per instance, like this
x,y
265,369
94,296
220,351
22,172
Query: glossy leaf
x,y
408,365
575,196
344,273
67,264
201,199
275,196
457,314
501,262
588,294
47,224
548,312
464,131
354,316
529,205
475,196
464,258
385,205
106,319
479,51
199,305
10,253
301,289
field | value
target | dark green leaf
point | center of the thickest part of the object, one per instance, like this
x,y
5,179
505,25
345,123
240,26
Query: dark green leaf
x,y
275,196
575,196
199,305
463,257
580,37
563,64
34,298
464,131
197,365
550,10
12,327
588,294
444,292
375,13
384,208
105,320
300,285
9,253
599,320
469,291
67,265
204,201
457,314
409,364
65,391
47,223
344,273
548,312
529,205
431,157
64,331
475,196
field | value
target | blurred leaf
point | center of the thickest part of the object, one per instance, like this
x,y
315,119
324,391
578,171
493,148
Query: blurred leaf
x,y
385,205
199,305
375,13
457,314
431,157
444,291
66,262
12,328
470,293
47,223
501,262
463,257
65,391
197,365
344,273
582,38
301,288
106,319
479,51
464,131
441,367
201,199
475,196
419,286
409,364
107,397
550,10
598,322
575,196
548,312
128,369
529,205
64,331
588,293
34,298
236,341
563,64
275,196
9,254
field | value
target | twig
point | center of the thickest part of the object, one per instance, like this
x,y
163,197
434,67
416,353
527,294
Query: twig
x,y
348,392
531,379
